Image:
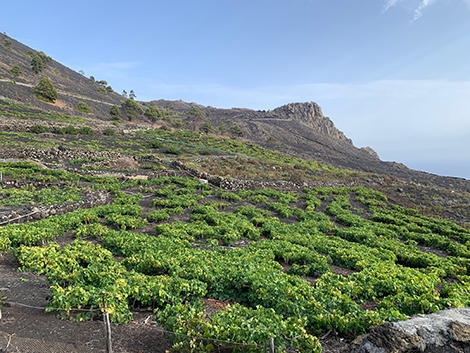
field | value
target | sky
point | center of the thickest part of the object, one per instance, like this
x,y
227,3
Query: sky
x,y
391,74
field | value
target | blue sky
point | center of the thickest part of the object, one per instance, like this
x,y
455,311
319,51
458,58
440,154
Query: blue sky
x,y
391,74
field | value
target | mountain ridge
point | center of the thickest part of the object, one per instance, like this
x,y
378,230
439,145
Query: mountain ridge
x,y
299,129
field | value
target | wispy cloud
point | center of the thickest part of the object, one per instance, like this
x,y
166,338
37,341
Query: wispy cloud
x,y
389,4
418,6
422,6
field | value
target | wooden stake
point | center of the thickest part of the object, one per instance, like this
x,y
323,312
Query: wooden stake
x,y
271,345
107,327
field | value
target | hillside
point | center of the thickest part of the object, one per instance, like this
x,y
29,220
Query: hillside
x,y
208,229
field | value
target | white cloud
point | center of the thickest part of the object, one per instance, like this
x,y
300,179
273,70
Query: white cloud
x,y
389,4
418,6
422,6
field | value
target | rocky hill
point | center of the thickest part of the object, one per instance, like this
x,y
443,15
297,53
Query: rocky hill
x,y
298,129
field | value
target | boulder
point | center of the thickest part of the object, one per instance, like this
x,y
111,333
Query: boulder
x,y
446,331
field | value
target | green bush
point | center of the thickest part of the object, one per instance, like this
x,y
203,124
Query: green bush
x,y
71,130
222,128
196,113
154,144
207,127
37,129
115,114
45,58
178,123
236,131
131,108
86,131
152,113
102,90
7,43
83,107
109,89
109,132
37,64
173,150
16,71
45,91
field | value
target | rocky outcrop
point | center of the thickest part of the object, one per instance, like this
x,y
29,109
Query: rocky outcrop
x,y
310,114
446,331
371,152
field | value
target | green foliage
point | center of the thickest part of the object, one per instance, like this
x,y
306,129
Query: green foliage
x,y
207,127
31,196
154,144
152,113
45,58
177,123
83,107
196,113
235,130
173,150
222,128
131,108
115,114
16,71
189,259
72,130
109,89
109,132
101,90
271,139
7,43
45,91
37,129
37,64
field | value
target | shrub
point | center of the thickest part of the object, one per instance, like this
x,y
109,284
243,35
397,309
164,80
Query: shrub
x,y
45,58
109,132
16,71
115,112
37,129
37,64
173,150
222,128
195,112
70,130
45,91
271,139
7,43
236,131
154,144
152,113
86,131
109,89
131,108
83,107
178,123
207,127
102,90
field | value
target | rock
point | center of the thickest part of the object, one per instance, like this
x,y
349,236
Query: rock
x,y
446,331
370,151
310,113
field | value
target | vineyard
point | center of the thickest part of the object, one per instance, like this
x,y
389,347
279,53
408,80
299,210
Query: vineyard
x,y
289,266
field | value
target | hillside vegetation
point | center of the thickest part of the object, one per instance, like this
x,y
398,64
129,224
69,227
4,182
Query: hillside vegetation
x,y
228,227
